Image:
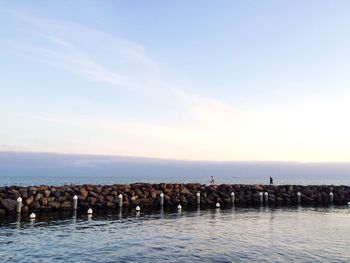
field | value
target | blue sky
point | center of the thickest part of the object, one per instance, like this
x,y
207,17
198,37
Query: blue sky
x,y
198,80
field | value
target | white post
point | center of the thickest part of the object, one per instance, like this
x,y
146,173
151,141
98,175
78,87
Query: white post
x,y
179,207
32,216
161,201
161,211
89,214
120,196
198,198
261,197
18,219
75,202
19,205
217,205
233,198
331,196
266,197
120,214
137,209
299,198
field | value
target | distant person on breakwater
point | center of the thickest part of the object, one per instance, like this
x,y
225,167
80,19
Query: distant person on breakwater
x,y
271,180
212,180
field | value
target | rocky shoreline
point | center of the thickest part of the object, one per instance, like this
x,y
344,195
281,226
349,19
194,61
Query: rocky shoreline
x,y
57,198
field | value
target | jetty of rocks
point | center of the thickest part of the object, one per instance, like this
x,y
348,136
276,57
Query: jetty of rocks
x,y
57,198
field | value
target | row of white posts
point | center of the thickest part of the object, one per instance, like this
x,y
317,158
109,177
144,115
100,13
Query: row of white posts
x,y
264,197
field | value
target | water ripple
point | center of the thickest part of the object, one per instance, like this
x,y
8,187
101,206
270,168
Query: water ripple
x,y
239,235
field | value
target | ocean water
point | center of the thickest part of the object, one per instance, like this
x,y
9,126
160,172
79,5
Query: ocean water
x,y
55,169
226,235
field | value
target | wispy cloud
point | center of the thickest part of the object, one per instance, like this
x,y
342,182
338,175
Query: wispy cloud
x,y
96,55
106,59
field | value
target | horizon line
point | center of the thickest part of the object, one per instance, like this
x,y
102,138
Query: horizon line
x,y
156,158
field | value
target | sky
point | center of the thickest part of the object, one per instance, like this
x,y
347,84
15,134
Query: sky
x,y
190,80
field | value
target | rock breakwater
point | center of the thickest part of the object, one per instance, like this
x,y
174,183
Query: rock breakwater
x,y
56,198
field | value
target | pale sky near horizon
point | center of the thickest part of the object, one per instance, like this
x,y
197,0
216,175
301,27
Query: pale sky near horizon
x,y
196,80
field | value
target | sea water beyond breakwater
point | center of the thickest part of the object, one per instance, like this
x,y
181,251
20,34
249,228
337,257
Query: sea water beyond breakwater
x,y
57,198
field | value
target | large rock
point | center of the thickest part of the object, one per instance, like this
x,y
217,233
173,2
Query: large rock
x,y
24,192
93,194
153,195
66,205
29,200
47,193
109,198
258,188
9,204
14,193
185,191
83,192
38,197
43,201
54,204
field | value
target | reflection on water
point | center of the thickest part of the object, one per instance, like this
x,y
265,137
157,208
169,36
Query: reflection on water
x,y
222,235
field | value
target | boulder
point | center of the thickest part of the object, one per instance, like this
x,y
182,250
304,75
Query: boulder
x,y
93,194
43,201
54,204
110,204
29,200
8,204
34,205
154,195
185,191
23,192
47,193
91,200
258,188
38,197
66,205
83,192
109,198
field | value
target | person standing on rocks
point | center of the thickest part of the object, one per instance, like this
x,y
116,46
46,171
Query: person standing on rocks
x,y
212,180
271,180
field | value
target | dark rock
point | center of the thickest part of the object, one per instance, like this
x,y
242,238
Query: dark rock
x,y
29,200
185,191
47,193
54,204
8,204
93,194
92,200
24,192
66,205
38,196
258,188
84,192
43,201
34,205
109,198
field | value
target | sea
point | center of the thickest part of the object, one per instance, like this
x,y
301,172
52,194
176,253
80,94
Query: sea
x,y
227,234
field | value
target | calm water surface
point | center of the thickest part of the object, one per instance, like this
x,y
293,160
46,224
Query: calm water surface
x,y
227,235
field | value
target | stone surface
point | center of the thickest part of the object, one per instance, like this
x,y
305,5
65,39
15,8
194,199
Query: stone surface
x,y
8,204
84,192
47,198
